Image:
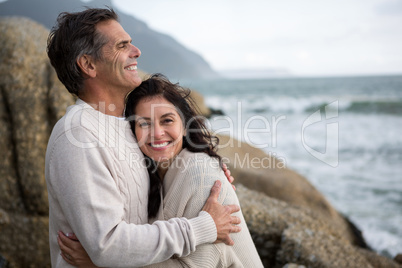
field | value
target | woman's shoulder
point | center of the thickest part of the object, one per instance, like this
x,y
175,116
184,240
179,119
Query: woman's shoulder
x,y
187,159
185,153
193,164
197,172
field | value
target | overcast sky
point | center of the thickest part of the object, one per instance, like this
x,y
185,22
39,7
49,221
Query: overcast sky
x,y
312,37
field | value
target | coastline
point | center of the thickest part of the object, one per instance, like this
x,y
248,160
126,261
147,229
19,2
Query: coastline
x,y
290,221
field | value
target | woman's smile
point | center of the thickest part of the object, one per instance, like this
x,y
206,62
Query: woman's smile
x,y
159,145
159,129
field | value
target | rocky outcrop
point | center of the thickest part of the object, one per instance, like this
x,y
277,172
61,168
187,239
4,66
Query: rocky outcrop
x,y
284,233
31,101
267,174
291,222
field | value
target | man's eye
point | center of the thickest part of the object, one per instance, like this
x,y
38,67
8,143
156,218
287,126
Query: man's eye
x,y
123,45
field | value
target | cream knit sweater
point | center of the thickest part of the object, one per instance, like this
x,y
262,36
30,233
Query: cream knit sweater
x,y
98,188
186,187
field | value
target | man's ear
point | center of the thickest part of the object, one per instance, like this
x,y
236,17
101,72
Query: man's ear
x,y
86,65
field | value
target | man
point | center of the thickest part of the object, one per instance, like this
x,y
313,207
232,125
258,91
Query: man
x,y
97,180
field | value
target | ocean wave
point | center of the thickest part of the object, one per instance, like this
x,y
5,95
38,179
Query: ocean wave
x,y
376,107
393,107
291,105
366,186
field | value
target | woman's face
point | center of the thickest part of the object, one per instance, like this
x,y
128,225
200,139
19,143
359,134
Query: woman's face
x,y
159,129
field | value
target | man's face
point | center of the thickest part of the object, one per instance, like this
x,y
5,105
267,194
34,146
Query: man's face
x,y
117,70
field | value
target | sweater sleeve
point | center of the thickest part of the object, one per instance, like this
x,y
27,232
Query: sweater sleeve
x,y
86,199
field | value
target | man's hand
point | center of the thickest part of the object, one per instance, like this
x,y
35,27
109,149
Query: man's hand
x,y
228,176
72,251
225,223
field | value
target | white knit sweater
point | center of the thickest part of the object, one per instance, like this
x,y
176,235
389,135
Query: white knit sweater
x,y
186,187
98,189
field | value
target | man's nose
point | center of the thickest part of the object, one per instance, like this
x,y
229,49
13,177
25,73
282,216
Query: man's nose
x,y
135,51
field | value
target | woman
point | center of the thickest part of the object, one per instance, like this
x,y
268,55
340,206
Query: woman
x,y
183,165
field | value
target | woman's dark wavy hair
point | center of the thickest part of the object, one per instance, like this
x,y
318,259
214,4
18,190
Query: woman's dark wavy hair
x,y
198,138
73,36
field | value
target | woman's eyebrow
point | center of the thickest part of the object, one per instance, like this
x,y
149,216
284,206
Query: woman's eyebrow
x,y
168,114
148,118
142,118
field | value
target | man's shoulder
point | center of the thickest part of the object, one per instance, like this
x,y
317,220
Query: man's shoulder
x,y
79,121
72,119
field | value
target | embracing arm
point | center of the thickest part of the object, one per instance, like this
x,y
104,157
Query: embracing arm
x,y
73,252
84,199
91,206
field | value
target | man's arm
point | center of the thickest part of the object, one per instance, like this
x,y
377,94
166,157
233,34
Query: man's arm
x,y
92,206
74,254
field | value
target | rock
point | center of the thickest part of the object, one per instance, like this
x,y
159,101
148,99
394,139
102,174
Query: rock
x,y
265,173
26,80
379,261
286,234
3,262
25,242
398,258
293,265
4,218
198,99
32,99
318,248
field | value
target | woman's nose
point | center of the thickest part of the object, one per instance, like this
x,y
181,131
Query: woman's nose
x,y
158,131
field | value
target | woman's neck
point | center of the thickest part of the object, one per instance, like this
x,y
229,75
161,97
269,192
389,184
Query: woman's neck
x,y
162,172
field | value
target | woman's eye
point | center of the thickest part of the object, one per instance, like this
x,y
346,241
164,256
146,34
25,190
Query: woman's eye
x,y
143,124
167,121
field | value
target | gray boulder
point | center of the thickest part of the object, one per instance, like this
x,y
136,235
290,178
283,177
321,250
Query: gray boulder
x,y
31,100
287,235
264,173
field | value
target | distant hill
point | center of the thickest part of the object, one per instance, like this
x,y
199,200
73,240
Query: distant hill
x,y
160,52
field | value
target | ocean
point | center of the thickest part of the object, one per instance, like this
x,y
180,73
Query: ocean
x,y
344,134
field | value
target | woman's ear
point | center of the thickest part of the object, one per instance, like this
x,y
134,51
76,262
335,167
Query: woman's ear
x,y
86,65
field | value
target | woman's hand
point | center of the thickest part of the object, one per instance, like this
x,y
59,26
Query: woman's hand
x,y
72,251
227,174
222,216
